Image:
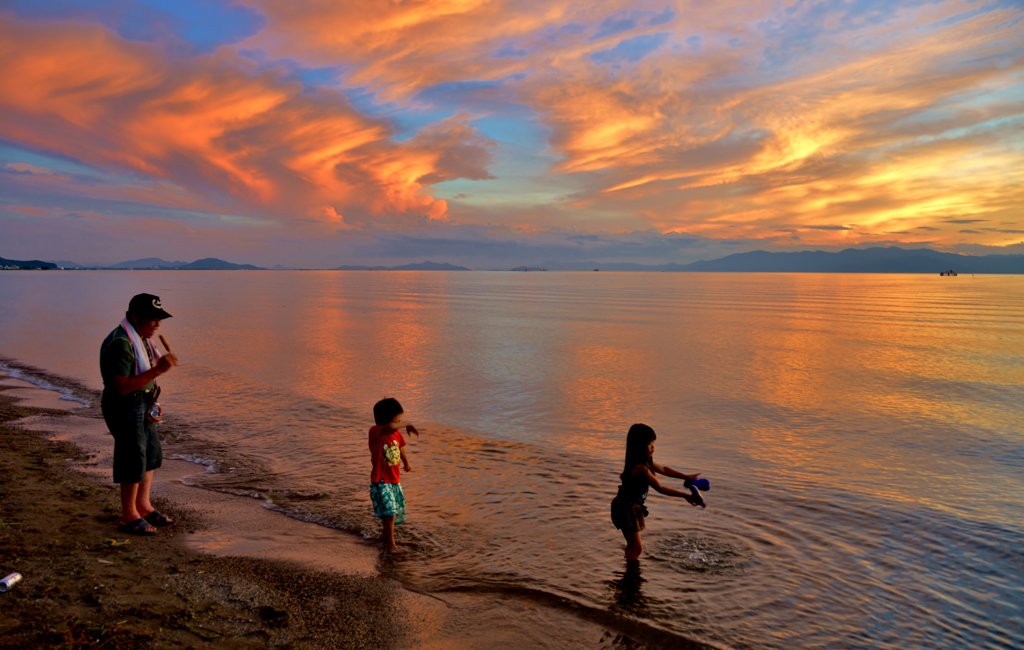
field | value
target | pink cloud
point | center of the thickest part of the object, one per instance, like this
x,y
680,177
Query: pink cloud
x,y
215,129
29,210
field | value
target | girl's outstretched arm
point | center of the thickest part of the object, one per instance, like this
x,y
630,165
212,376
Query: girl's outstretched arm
x,y
668,471
652,480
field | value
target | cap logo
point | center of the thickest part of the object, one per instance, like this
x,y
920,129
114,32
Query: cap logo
x,y
156,303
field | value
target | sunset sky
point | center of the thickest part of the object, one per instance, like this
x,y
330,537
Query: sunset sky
x,y
495,133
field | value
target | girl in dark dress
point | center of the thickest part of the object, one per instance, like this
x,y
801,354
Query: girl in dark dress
x,y
628,510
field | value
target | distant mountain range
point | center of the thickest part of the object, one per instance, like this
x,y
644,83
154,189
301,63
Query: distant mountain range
x,y
851,260
211,264
422,266
862,260
214,264
157,264
25,264
148,263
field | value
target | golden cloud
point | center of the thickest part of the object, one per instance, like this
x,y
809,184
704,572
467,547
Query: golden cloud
x,y
667,140
715,128
214,126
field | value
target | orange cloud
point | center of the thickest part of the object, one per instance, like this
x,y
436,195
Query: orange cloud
x,y
822,126
214,128
29,210
830,146
699,141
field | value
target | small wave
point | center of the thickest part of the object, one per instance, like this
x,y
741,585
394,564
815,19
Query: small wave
x,y
633,631
65,393
284,496
311,518
336,520
212,466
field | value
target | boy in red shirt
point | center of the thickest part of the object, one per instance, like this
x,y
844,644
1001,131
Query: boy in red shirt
x,y
387,448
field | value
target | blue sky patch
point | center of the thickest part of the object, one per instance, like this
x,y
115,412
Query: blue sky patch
x,y
510,50
631,50
203,25
624,21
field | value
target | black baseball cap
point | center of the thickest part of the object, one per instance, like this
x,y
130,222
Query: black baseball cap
x,y
146,305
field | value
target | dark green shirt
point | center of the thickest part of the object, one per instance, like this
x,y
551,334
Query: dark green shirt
x,y
117,358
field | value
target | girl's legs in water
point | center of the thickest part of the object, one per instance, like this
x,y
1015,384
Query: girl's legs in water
x,y
388,534
633,546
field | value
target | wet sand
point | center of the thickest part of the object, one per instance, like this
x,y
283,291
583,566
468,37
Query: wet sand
x,y
228,570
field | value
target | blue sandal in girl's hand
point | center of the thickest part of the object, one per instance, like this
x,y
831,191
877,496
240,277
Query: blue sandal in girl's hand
x,y
697,499
702,484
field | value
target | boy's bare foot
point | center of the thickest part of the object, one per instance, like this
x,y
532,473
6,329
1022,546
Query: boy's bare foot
x,y
394,549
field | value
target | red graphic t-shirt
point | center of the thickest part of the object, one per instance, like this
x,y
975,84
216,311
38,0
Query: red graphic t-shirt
x,y
384,448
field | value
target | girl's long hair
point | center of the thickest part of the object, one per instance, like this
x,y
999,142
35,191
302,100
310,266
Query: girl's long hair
x,y
639,436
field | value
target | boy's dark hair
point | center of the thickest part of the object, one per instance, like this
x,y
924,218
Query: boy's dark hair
x,y
385,410
639,436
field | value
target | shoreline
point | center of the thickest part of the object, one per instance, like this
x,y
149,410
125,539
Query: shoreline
x,y
81,590
228,570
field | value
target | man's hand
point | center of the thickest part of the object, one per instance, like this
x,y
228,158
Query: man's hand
x,y
166,362
128,384
411,429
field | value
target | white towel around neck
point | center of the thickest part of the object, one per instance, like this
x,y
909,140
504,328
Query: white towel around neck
x,y
142,363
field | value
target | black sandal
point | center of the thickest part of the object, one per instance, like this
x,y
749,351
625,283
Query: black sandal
x,y
157,519
138,527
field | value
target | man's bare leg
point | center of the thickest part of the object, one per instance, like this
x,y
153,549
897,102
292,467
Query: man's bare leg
x,y
142,504
129,512
129,509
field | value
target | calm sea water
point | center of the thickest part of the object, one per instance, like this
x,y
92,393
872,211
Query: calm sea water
x,y
862,433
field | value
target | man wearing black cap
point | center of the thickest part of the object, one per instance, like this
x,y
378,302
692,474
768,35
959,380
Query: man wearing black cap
x,y
130,364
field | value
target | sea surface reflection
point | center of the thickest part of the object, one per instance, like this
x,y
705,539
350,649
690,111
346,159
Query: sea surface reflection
x,y
861,432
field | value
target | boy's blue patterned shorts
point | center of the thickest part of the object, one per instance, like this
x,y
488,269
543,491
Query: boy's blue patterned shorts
x,y
388,499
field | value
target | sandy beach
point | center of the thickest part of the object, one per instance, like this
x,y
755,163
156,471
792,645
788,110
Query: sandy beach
x,y
228,572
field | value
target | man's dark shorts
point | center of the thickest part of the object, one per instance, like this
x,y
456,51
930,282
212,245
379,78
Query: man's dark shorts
x,y
136,444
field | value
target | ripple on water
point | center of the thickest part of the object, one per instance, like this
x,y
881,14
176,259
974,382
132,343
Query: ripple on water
x,y
702,552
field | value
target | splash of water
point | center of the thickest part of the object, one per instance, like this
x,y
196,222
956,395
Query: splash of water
x,y
698,540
